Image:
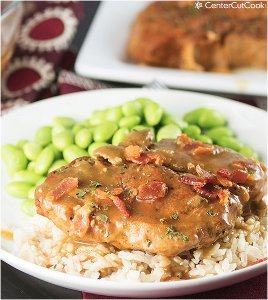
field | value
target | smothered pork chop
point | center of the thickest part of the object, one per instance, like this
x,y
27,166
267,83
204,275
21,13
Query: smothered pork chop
x,y
165,198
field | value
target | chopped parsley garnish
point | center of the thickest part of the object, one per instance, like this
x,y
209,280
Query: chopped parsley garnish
x,y
129,207
103,218
105,207
172,233
81,194
148,242
94,205
163,220
95,184
211,213
250,171
184,237
174,216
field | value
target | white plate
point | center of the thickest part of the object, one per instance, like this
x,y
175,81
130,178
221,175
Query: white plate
x,y
248,122
103,56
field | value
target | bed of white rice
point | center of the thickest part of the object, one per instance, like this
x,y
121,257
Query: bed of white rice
x,y
44,244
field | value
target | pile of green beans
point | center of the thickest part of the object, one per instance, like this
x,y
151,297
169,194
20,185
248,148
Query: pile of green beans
x,y
55,145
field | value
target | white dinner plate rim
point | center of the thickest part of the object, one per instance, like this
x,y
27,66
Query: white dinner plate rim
x,y
114,286
95,61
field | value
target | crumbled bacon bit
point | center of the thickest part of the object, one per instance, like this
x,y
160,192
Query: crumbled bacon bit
x,y
239,176
183,139
224,196
208,191
64,187
204,149
192,180
135,154
81,221
224,173
152,191
120,204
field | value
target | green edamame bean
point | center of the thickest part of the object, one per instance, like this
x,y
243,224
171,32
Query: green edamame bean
x,y
63,139
72,152
87,123
192,131
230,142
14,159
18,189
31,166
57,129
129,122
192,116
28,207
57,152
173,119
21,143
143,101
248,152
169,131
94,146
76,128
44,161
104,131
204,139
210,119
32,150
40,181
132,108
43,135
26,176
120,135
66,122
31,193
153,114
83,138
57,165
218,132
114,114
98,117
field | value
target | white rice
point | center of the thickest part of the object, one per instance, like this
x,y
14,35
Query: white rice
x,y
44,244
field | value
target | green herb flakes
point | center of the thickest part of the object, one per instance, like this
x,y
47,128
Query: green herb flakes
x,y
95,184
105,207
103,218
81,194
163,220
148,243
184,237
172,233
174,217
211,213
94,205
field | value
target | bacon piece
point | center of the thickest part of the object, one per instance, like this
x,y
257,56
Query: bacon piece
x,y
224,196
81,221
239,176
208,191
223,173
64,187
210,178
120,204
152,191
195,181
135,154
184,139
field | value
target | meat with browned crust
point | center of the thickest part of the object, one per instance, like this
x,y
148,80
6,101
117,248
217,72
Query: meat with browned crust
x,y
177,35
164,198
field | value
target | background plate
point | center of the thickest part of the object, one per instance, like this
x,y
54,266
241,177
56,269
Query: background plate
x,y
246,121
103,56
